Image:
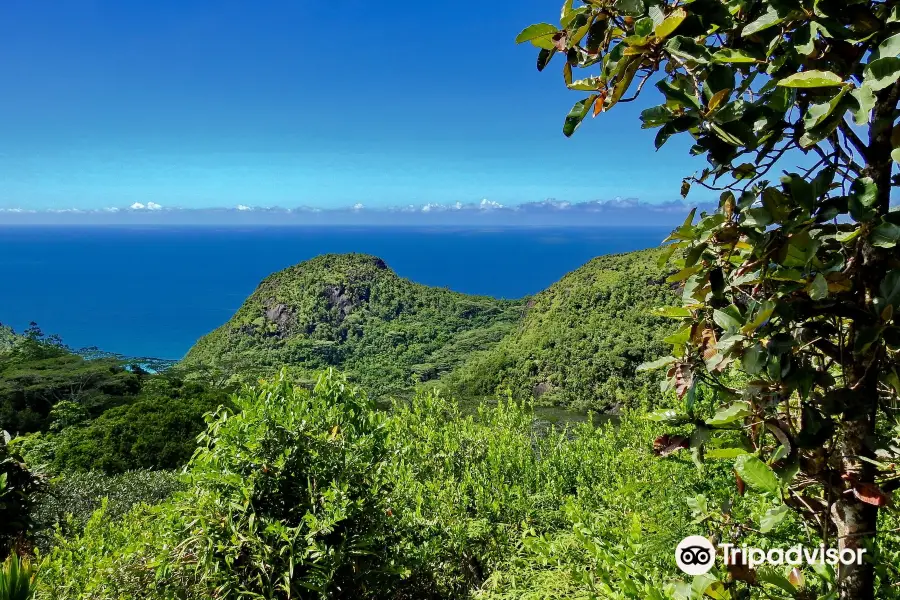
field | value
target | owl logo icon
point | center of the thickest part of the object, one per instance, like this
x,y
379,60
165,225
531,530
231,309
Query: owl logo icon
x,y
695,555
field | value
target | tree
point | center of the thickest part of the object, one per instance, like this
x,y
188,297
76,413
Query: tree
x,y
19,490
791,289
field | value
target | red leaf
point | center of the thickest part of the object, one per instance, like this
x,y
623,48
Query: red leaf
x,y
683,379
870,494
739,569
665,445
740,483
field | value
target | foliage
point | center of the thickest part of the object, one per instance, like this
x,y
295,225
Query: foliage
x,y
73,498
114,560
792,288
580,341
287,495
19,489
471,490
38,373
351,311
157,430
8,338
17,578
427,501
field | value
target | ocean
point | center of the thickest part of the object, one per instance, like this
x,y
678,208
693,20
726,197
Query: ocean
x,y
152,291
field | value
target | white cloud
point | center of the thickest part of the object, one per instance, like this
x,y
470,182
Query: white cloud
x,y
243,207
357,206
137,206
489,204
112,209
153,206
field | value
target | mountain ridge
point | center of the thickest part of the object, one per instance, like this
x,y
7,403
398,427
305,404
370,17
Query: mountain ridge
x,y
577,343
352,311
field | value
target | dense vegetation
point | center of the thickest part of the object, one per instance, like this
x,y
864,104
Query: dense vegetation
x,y
790,311
37,374
316,494
581,341
777,416
351,311
577,343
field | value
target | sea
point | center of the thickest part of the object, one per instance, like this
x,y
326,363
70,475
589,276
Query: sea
x,y
153,291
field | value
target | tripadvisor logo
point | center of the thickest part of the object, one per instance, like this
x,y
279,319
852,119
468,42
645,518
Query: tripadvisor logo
x,y
695,555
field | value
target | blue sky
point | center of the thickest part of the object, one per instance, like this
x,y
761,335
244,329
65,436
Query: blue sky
x,y
197,104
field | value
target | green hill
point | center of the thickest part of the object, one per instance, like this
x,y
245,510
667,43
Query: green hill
x,y
578,343
581,339
353,312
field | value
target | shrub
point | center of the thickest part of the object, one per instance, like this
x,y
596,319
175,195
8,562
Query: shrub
x,y
74,497
17,578
19,490
287,496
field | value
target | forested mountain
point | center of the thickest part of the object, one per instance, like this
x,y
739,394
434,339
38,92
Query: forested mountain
x,y
577,343
581,340
351,311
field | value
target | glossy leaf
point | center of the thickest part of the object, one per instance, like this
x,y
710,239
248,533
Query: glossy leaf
x,y
881,73
811,79
539,34
757,474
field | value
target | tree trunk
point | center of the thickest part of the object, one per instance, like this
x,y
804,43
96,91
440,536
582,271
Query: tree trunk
x,y
856,522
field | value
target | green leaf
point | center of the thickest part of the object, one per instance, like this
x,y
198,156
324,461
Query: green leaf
x,y
768,19
863,196
631,8
771,577
729,317
818,288
890,291
686,48
865,99
655,116
762,316
757,474
577,114
886,235
590,84
865,338
754,359
881,73
895,155
729,414
818,112
672,312
669,416
656,364
887,48
643,27
670,24
544,57
773,517
540,35
566,9
729,55
724,453
683,274
811,79
757,217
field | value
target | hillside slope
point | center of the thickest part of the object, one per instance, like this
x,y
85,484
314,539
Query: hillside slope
x,y
353,312
7,338
581,339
